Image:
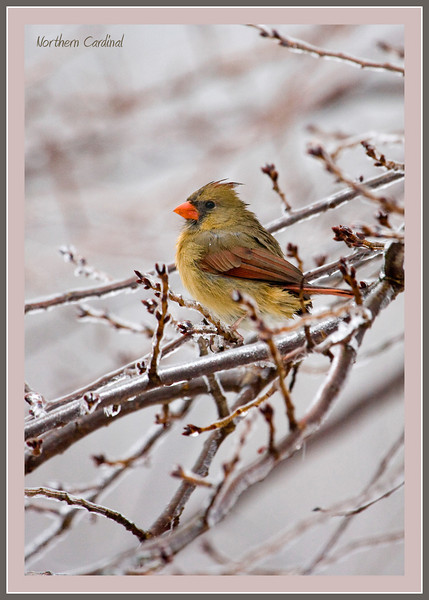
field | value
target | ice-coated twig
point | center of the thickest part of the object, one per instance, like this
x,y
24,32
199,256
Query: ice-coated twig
x,y
70,254
300,46
266,335
89,506
162,318
318,151
241,410
344,524
88,313
380,159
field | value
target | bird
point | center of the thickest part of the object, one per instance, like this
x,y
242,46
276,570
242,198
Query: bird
x,y
223,249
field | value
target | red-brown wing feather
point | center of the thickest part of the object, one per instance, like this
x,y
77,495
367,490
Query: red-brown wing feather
x,y
220,262
252,263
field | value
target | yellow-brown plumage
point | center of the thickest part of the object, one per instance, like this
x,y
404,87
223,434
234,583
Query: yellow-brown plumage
x,y
223,248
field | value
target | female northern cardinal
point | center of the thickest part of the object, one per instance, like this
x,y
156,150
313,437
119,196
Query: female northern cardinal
x,y
223,248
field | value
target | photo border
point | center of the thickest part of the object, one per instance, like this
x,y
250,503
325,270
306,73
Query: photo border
x,y
411,18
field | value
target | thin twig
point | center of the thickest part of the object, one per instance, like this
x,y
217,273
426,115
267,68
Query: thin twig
x,y
299,46
357,259
266,335
361,544
88,313
380,159
292,252
362,507
268,413
353,240
241,410
349,276
190,477
339,531
319,152
228,334
70,255
214,384
272,173
346,141
90,507
162,318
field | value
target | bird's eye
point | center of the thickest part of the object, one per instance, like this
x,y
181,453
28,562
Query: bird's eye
x,y
210,204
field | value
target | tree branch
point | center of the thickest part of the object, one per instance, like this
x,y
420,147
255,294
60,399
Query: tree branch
x,y
299,46
89,506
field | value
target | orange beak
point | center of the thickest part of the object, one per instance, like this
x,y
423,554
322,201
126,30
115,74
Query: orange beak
x,y
187,211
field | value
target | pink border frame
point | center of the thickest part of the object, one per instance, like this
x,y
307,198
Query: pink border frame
x,y
411,18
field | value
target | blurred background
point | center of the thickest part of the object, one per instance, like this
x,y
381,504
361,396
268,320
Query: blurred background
x,y
116,138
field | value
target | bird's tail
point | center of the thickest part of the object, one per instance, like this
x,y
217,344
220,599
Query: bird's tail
x,y
309,289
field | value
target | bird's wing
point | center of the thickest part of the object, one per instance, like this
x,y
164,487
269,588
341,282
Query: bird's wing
x,y
251,263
